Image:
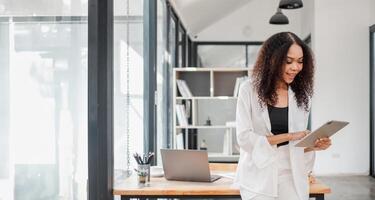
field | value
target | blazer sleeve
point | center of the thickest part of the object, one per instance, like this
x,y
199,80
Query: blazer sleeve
x,y
309,156
255,144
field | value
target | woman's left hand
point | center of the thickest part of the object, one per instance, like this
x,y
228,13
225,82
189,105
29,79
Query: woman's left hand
x,y
322,144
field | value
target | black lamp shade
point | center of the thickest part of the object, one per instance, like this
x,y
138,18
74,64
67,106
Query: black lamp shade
x,y
290,4
279,18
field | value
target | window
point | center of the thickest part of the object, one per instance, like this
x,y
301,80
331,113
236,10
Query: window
x,y
43,86
227,54
172,41
252,54
128,84
162,79
171,53
181,47
222,55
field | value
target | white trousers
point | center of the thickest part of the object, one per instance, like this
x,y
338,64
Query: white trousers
x,y
286,188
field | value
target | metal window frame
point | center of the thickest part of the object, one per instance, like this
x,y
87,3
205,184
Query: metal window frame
x,y
64,19
182,31
168,80
372,98
150,66
100,112
171,15
100,99
189,51
165,90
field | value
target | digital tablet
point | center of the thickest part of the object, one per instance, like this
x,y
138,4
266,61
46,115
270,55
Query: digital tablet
x,y
326,130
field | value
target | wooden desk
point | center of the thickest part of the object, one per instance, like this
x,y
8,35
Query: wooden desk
x,y
162,188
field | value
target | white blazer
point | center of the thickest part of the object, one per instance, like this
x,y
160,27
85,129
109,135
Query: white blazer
x,y
257,170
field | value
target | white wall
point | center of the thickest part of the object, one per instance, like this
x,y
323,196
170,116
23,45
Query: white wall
x,y
341,45
307,18
250,23
372,11
194,15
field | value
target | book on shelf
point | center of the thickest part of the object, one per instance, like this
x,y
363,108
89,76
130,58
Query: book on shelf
x,y
181,115
239,81
180,141
192,138
183,88
187,108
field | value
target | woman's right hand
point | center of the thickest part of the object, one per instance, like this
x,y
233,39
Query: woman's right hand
x,y
298,135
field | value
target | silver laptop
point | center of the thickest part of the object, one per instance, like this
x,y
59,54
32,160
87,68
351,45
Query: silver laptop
x,y
186,165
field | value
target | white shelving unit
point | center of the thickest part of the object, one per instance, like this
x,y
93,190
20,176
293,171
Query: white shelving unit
x,y
212,96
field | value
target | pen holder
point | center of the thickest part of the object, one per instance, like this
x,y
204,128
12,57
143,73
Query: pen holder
x,y
143,172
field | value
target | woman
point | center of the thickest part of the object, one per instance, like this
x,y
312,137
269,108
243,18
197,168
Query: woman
x,y
272,114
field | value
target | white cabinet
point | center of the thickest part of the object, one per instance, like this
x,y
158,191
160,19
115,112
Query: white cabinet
x,y
212,97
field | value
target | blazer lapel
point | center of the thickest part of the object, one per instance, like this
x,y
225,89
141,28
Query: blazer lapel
x,y
292,104
266,118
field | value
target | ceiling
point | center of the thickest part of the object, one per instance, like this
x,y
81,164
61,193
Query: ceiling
x,y
236,20
195,16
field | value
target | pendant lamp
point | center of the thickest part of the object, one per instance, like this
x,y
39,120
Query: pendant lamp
x,y
279,18
290,4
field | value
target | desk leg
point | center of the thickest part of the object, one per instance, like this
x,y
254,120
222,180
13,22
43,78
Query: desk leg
x,y
320,197
317,196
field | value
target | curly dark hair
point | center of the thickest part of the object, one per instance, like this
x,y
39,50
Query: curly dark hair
x,y
268,70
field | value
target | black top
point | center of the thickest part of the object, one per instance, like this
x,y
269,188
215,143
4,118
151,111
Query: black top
x,y
279,121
